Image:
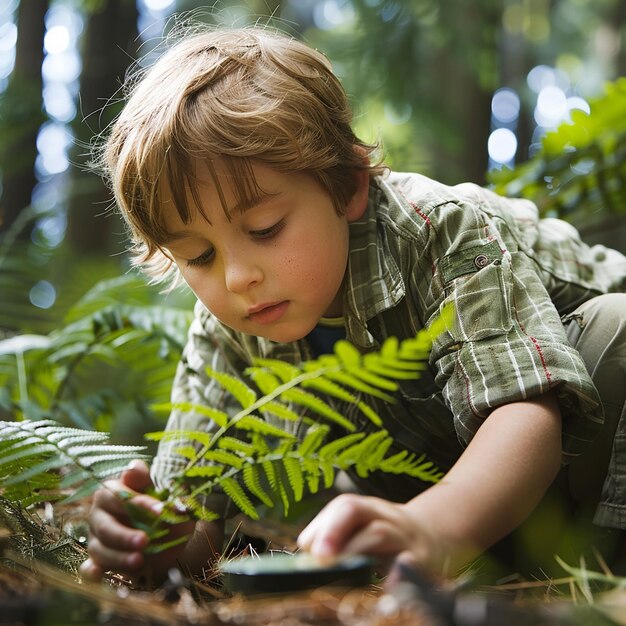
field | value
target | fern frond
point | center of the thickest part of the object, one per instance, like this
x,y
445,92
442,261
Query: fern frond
x,y
312,440
235,492
252,480
235,386
184,436
255,424
282,411
224,457
295,476
318,406
205,471
236,445
289,462
219,417
30,450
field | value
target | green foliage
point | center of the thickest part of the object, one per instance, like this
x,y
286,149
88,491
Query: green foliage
x,y
267,461
112,335
41,460
581,166
271,462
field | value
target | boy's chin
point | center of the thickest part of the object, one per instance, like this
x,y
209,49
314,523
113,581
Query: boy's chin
x,y
286,334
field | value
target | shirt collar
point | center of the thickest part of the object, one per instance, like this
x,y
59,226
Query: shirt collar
x,y
373,280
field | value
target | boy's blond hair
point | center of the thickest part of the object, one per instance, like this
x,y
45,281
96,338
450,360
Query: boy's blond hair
x,y
238,95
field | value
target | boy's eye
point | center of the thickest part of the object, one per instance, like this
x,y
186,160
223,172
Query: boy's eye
x,y
203,259
265,233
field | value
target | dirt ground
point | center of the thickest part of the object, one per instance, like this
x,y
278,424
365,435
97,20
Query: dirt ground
x,y
39,586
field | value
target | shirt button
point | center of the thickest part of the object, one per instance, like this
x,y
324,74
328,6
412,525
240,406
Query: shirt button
x,y
481,260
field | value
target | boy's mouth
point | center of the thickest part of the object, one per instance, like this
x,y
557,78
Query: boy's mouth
x,y
268,313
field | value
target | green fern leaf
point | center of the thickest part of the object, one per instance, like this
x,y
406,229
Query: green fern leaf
x,y
276,484
286,372
294,474
236,387
281,410
204,471
236,445
347,354
369,412
224,457
352,381
252,480
328,387
311,470
332,449
312,441
375,380
264,380
235,492
198,509
256,424
219,417
363,452
309,401
328,472
189,452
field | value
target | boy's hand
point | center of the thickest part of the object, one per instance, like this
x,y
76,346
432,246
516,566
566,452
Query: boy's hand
x,y
113,543
354,524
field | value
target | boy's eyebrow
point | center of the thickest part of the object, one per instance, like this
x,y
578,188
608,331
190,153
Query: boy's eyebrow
x,y
245,204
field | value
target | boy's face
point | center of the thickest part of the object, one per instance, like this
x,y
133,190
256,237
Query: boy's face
x,y
276,267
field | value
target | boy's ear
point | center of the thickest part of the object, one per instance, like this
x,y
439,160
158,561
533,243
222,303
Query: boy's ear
x,y
358,202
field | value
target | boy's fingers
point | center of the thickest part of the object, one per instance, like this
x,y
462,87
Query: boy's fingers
x,y
107,558
90,571
338,522
109,531
378,538
137,476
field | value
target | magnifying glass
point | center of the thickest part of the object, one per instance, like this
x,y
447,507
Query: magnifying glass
x,y
280,572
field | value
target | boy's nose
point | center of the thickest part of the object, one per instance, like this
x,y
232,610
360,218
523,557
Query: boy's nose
x,y
242,273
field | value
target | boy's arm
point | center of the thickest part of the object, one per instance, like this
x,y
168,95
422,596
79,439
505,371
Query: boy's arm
x,y
498,480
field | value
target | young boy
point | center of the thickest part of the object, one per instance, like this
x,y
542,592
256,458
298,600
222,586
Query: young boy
x,y
236,169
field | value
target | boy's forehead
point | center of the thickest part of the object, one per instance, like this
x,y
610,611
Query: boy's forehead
x,y
214,186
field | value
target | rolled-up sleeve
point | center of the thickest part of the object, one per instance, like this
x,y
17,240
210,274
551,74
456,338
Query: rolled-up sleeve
x,y
506,343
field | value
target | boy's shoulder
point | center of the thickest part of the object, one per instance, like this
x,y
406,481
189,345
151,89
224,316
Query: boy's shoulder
x,y
413,199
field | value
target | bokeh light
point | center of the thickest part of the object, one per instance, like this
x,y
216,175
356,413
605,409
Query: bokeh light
x,y
43,294
551,108
159,5
52,142
332,13
502,146
505,106
57,39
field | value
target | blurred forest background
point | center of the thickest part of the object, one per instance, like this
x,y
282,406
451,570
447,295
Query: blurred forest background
x,y
456,90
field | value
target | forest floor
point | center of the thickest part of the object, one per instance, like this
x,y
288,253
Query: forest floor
x,y
39,586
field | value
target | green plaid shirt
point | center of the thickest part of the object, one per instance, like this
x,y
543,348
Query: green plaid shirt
x,y
420,245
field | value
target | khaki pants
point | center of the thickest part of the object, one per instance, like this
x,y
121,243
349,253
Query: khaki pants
x,y
597,329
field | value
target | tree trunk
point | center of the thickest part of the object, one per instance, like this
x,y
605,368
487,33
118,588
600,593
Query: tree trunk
x,y
21,113
109,47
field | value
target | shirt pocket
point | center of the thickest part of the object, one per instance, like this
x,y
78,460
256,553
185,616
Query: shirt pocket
x,y
477,280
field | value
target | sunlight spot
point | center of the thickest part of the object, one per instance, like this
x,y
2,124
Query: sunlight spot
x,y
502,145
505,105
43,294
8,37
551,106
159,5
57,40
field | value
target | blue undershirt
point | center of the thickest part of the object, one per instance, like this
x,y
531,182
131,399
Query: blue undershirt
x,y
323,337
